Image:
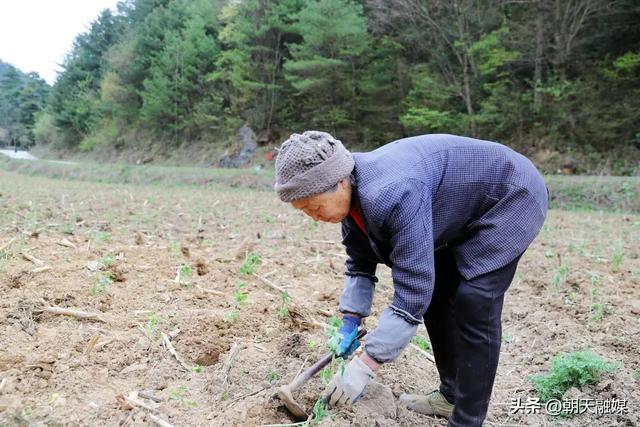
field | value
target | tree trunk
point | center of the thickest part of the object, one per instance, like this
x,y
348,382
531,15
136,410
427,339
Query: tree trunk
x,y
537,72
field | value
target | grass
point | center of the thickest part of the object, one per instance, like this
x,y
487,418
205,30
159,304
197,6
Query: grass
x,y
593,193
571,370
566,192
175,176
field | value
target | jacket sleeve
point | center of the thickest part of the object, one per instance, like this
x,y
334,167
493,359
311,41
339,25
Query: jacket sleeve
x,y
360,279
406,215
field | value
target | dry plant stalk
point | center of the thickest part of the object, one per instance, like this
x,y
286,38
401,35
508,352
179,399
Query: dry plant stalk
x,y
133,400
229,362
270,284
31,258
67,243
91,344
41,269
159,421
167,343
210,291
85,315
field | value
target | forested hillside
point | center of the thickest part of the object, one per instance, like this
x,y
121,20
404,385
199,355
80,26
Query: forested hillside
x,y
22,97
550,77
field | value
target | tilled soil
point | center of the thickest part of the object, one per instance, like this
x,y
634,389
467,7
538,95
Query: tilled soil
x,y
166,265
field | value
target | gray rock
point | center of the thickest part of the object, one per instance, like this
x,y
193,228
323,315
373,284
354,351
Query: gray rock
x,y
378,400
243,149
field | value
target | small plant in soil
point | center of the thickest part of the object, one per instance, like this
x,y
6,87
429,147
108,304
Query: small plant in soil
x,y
239,295
311,345
636,374
251,261
319,411
560,276
285,300
337,363
616,259
101,282
185,274
571,370
174,247
198,369
152,324
599,309
69,228
273,376
177,395
421,342
233,315
101,236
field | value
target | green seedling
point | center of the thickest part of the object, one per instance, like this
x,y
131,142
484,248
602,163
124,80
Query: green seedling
x,y
636,374
177,395
421,342
225,395
101,236
571,370
319,411
198,369
108,260
233,315
101,282
285,300
326,374
616,259
69,228
269,219
185,274
273,376
174,247
251,261
152,324
333,333
239,295
549,253
311,345
560,277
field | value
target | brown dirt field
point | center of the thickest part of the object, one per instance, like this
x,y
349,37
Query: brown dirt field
x,y
128,243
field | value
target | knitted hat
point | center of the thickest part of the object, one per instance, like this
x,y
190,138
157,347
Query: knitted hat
x,y
310,164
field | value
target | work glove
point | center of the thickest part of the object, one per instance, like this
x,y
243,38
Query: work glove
x,y
348,387
349,332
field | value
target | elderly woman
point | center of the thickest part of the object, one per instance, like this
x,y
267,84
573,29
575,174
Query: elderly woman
x,y
451,216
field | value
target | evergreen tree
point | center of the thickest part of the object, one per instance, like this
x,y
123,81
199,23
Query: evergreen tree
x,y
325,67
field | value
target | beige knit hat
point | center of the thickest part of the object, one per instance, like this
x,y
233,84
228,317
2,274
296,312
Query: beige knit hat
x,y
310,164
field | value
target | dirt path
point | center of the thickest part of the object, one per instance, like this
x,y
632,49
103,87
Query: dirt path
x,y
20,154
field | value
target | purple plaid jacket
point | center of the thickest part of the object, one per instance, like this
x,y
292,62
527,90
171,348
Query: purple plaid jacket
x,y
481,199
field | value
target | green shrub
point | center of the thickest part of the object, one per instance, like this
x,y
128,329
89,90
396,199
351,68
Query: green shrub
x,y
571,370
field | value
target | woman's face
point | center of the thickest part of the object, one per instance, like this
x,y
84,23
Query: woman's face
x,y
332,206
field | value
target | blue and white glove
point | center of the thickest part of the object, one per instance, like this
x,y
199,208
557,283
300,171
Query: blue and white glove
x,y
348,387
349,332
